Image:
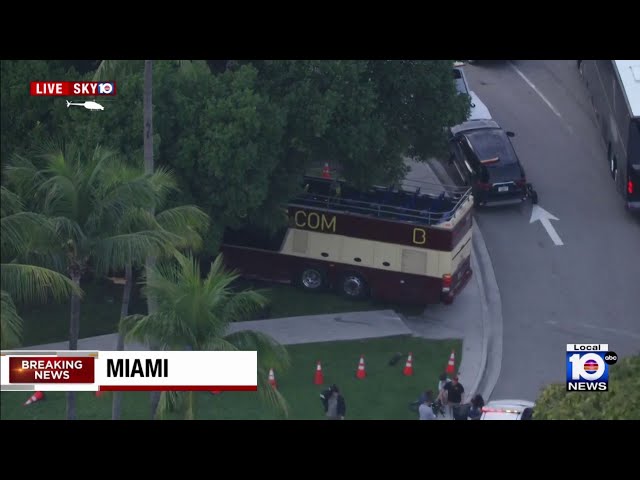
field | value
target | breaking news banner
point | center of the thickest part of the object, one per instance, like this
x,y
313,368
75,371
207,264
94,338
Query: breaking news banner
x,y
81,370
73,89
588,367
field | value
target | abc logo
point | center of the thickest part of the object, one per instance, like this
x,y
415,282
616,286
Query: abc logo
x,y
591,366
105,88
611,358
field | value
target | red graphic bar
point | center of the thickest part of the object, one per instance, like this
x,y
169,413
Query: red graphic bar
x,y
72,89
178,388
51,369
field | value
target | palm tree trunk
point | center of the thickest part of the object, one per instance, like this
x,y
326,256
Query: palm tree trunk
x,y
190,411
147,106
148,116
74,334
116,405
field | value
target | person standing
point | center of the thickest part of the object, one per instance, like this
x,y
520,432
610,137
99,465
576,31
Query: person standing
x,y
442,382
335,407
425,410
477,402
455,390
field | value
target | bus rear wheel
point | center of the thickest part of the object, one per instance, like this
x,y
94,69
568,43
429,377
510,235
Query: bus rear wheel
x,y
312,279
352,285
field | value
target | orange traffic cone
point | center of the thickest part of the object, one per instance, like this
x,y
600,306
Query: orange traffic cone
x,y
326,173
360,373
319,378
408,368
36,397
451,366
272,379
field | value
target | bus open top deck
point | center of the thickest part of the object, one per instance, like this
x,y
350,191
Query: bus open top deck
x,y
408,243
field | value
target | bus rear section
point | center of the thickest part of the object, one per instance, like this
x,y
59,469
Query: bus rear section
x,y
397,245
633,168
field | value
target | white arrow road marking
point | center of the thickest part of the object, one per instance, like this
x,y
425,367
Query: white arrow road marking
x,y
539,213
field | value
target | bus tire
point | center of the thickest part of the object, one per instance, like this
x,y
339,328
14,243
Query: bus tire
x,y
312,279
353,285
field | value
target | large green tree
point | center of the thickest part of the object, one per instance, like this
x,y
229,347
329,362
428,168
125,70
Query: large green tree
x,y
86,198
194,313
21,232
620,402
26,120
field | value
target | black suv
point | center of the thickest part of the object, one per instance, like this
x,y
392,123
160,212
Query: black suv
x,y
484,159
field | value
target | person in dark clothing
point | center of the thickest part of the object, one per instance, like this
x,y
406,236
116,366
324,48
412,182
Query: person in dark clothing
x,y
335,407
477,402
455,390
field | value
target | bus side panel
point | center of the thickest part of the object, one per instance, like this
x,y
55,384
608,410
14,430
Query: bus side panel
x,y
257,263
389,286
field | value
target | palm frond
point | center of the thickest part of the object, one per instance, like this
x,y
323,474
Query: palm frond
x,y
170,402
10,323
10,203
271,354
23,176
29,283
187,221
18,230
215,344
244,305
161,328
136,219
59,196
67,229
132,248
271,396
164,182
109,70
121,196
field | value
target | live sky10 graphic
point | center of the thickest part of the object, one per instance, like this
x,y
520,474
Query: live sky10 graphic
x,y
588,367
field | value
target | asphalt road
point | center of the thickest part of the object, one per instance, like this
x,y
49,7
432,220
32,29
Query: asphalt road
x,y
588,289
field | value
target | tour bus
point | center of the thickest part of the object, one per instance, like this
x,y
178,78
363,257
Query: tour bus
x,y
402,244
614,87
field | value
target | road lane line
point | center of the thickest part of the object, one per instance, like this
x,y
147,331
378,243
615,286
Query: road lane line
x,y
535,89
614,331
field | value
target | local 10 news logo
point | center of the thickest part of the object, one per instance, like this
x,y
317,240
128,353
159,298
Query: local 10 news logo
x,y
588,367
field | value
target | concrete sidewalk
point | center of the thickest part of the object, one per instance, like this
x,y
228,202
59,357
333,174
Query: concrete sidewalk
x,y
287,331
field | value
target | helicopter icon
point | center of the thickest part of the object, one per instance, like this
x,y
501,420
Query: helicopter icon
x,y
88,105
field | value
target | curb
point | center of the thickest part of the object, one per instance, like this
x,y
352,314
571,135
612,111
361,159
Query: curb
x,y
491,359
492,321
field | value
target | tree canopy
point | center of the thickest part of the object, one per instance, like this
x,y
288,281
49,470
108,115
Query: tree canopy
x,y
240,134
620,402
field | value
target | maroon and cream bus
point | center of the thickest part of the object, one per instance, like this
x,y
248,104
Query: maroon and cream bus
x,y
409,244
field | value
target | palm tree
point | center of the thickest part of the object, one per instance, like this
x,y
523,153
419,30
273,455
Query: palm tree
x,y
186,224
108,68
194,313
25,283
86,199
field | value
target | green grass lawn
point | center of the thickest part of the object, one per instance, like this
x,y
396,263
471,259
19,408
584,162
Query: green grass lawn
x,y
383,395
100,310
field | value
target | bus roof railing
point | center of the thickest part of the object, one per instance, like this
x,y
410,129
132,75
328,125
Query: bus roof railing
x,y
440,203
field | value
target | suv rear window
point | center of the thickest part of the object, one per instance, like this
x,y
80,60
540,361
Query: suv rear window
x,y
492,142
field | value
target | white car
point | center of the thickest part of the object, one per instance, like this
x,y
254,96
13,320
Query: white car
x,y
508,410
